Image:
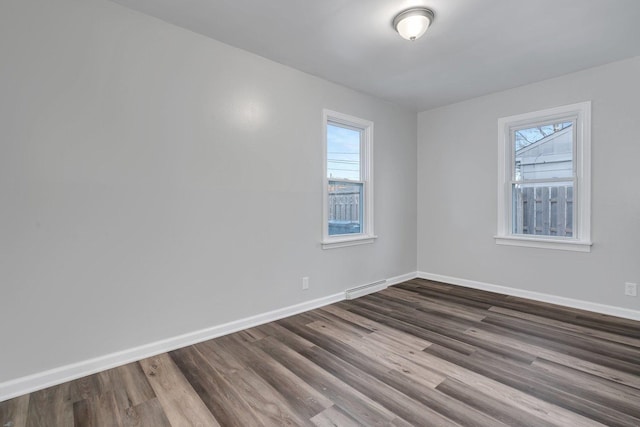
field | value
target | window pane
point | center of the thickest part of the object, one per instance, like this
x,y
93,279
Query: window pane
x,y
345,207
343,152
543,209
544,152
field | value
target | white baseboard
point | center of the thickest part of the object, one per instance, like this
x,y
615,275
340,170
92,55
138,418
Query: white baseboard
x,y
536,296
402,278
41,380
370,288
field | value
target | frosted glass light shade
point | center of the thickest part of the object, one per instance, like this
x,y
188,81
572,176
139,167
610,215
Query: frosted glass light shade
x,y
413,23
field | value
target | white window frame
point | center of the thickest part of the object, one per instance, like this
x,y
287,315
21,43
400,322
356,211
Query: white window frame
x,y
581,240
366,178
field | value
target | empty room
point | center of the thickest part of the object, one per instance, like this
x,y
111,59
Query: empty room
x,y
319,213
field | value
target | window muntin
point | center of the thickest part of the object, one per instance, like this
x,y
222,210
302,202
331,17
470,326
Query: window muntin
x,y
348,193
544,195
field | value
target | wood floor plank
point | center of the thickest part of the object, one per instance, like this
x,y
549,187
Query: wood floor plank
x,y
395,342
609,397
621,356
98,411
388,356
408,328
379,329
13,412
455,338
342,312
623,327
360,407
285,336
303,399
445,318
223,400
134,394
443,288
589,383
417,353
392,399
339,332
439,306
555,356
334,417
526,383
369,361
252,334
496,408
581,330
520,400
87,387
345,324
180,402
130,384
421,289
146,414
267,402
50,407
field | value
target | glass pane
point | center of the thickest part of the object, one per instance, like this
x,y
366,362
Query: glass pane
x,y
544,152
543,209
343,152
345,207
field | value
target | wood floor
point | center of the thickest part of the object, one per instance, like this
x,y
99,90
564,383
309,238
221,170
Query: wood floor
x,y
419,353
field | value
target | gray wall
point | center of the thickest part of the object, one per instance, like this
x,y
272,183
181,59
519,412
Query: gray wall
x,y
457,190
155,182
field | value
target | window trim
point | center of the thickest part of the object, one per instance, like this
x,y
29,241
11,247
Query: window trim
x,y
366,178
581,240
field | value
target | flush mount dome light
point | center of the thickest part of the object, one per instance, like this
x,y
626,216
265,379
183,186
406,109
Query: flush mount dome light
x,y
413,23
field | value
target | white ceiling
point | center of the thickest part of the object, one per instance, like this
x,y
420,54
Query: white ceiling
x,y
474,47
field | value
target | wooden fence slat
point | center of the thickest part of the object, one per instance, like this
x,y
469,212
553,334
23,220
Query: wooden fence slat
x,y
545,210
562,211
529,210
569,228
544,219
553,211
519,226
537,219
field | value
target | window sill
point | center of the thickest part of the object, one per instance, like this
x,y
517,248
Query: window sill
x,y
536,242
341,242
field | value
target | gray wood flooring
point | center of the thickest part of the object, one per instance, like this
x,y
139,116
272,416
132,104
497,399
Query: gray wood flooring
x,y
419,353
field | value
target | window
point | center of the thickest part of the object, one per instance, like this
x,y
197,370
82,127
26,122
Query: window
x,y
348,187
544,193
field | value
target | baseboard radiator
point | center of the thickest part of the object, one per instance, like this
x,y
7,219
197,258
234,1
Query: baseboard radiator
x,y
360,291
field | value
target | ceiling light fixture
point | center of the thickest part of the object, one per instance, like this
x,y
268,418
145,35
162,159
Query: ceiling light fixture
x,y
413,23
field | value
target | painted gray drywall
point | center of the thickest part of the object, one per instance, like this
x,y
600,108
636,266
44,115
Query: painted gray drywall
x,y
154,182
457,190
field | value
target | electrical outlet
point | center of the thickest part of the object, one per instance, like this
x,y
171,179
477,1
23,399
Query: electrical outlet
x,y
631,289
305,283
